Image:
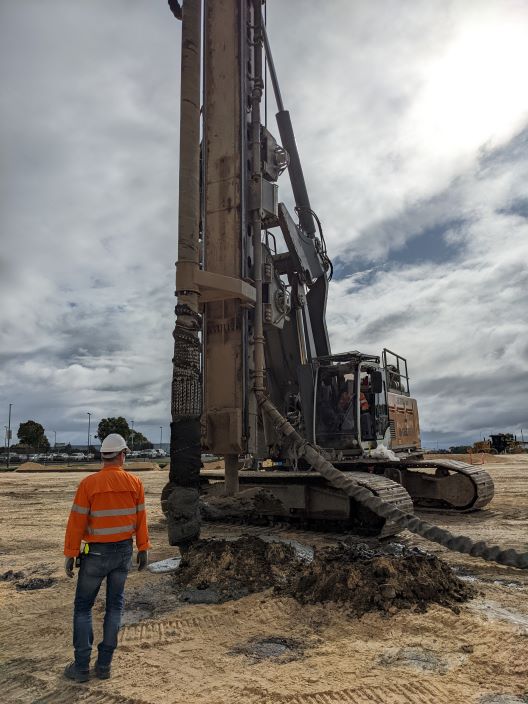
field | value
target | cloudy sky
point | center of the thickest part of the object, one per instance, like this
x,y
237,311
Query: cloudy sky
x,y
412,121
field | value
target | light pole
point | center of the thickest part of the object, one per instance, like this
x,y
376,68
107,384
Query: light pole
x,y
9,436
161,435
132,436
55,440
89,419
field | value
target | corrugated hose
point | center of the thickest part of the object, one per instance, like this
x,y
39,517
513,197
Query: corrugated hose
x,y
402,519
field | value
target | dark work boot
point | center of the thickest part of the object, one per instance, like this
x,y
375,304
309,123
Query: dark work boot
x,y
73,672
102,673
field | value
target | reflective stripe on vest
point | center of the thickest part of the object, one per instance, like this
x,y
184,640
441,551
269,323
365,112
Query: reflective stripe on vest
x,y
80,509
111,531
113,512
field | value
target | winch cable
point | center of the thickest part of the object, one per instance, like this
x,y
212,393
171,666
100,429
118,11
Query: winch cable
x,y
339,480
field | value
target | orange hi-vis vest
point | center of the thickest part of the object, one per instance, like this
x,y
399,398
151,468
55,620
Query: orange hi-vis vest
x,y
363,403
109,506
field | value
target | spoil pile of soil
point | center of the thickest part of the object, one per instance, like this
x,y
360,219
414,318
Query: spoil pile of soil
x,y
30,467
232,569
385,578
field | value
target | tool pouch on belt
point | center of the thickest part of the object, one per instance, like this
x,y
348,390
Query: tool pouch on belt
x,y
85,550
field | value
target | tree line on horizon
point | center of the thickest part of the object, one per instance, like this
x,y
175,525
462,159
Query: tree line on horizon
x,y
32,436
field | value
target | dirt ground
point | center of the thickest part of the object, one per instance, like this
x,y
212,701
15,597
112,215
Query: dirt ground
x,y
261,648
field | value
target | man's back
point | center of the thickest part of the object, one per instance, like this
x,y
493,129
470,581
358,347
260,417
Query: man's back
x,y
109,506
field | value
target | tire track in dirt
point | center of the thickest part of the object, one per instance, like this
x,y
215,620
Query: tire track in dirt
x,y
411,693
16,685
27,689
168,631
72,694
22,689
173,630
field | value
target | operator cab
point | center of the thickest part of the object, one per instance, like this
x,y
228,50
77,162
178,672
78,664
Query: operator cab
x,y
350,403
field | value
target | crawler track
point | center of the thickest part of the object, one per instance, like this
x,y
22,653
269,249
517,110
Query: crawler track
x,y
477,478
344,515
454,486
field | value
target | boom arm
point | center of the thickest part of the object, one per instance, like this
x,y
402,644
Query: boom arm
x,y
302,243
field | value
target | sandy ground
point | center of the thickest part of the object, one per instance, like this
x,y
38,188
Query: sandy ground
x,y
261,649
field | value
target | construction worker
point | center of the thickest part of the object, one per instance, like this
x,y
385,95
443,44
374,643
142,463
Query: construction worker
x,y
364,409
363,402
109,507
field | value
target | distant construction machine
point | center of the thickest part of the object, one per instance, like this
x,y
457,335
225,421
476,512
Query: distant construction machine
x,y
500,444
251,332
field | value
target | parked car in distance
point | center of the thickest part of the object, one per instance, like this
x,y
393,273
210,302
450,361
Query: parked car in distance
x,y
13,458
147,454
78,456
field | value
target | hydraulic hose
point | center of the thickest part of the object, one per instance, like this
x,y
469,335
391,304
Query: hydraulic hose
x,y
339,480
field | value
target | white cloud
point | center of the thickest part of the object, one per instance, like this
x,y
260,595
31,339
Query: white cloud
x,y
461,324
392,102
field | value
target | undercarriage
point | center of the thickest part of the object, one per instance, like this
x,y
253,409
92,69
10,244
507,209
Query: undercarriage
x,y
306,497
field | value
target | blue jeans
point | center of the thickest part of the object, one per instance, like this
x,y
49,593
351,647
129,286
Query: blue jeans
x,y
110,560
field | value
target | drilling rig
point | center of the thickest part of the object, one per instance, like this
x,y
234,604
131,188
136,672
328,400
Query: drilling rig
x,y
254,376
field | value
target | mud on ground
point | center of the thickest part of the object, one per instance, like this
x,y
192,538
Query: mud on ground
x,y
263,648
386,578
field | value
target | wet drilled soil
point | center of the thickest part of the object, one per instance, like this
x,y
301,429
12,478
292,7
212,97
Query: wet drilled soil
x,y
386,578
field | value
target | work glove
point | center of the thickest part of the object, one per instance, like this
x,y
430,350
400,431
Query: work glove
x,y
142,559
68,566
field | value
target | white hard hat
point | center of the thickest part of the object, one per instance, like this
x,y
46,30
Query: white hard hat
x,y
113,444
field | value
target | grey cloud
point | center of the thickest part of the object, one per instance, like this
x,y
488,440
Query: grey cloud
x,y
519,206
88,216
385,324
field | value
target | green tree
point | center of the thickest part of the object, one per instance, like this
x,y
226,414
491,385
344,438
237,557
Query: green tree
x,y
113,425
140,441
120,425
32,434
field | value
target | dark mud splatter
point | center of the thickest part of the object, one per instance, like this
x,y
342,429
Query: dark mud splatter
x,y
35,583
276,648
